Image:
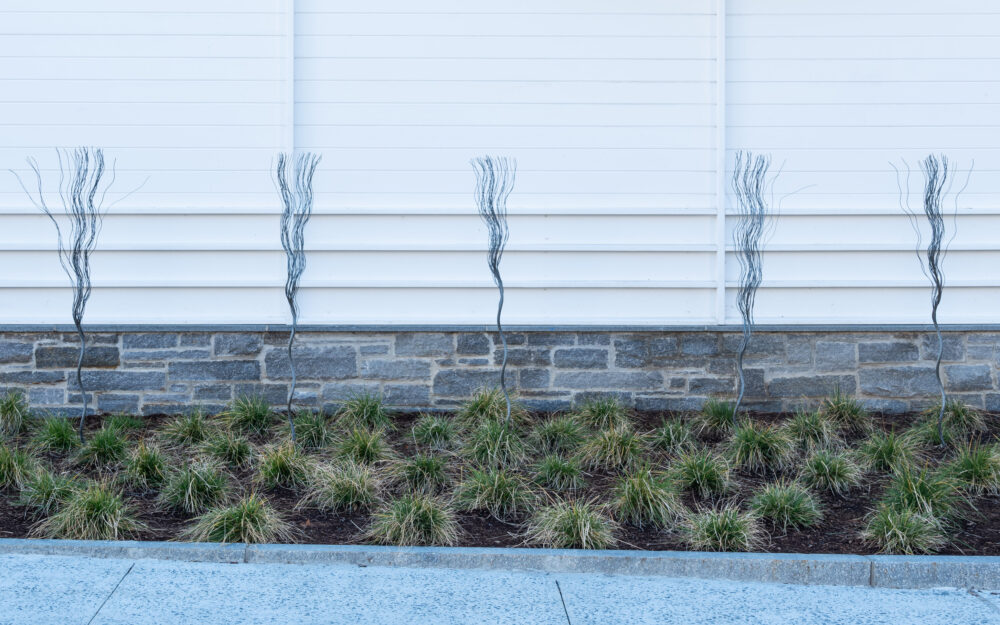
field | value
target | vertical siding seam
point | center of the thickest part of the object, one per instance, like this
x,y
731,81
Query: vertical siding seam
x,y
720,161
290,77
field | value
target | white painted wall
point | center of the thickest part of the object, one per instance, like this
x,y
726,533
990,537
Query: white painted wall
x,y
610,109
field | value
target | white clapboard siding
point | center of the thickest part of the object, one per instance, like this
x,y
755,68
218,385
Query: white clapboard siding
x,y
835,92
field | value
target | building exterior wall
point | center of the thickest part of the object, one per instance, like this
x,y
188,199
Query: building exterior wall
x,y
170,371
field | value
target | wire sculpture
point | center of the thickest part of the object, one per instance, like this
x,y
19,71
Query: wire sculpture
x,y
81,178
495,177
297,201
937,184
750,184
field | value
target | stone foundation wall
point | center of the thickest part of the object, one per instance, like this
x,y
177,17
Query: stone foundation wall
x,y
169,371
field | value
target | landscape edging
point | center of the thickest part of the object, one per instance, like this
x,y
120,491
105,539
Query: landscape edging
x,y
981,572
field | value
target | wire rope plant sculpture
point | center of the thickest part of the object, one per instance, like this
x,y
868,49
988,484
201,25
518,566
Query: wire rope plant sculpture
x,y
294,182
938,179
84,180
751,184
495,177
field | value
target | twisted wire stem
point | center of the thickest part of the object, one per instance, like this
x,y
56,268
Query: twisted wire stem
x,y
937,181
295,189
749,184
495,177
82,189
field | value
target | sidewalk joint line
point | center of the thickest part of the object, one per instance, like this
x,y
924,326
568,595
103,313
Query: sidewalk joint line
x,y
989,604
101,607
566,610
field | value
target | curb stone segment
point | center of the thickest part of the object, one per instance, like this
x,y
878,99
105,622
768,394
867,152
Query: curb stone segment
x,y
912,572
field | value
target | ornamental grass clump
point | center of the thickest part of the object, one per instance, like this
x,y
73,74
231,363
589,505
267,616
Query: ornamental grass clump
x,y
435,431
45,492
960,423
716,417
490,405
495,444
249,520
106,448
558,435
674,436
928,492
845,411
500,492
146,467
888,451
14,413
282,465
615,449
415,519
195,488
701,473
424,472
904,531
123,423
230,449
976,467
364,411
249,414
363,446
603,413
574,524
96,511
559,473
189,429
16,467
759,448
831,471
55,434
343,486
787,505
812,430
644,498
726,528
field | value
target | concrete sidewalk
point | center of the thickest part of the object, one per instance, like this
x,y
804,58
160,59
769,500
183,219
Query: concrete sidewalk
x,y
66,590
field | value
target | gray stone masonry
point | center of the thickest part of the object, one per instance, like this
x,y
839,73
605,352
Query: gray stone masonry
x,y
170,371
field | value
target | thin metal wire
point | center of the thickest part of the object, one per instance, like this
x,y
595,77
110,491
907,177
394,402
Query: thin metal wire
x,y
297,203
750,186
495,176
81,172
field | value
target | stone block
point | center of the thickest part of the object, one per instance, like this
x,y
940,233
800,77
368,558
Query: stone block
x,y
342,391
424,344
396,369
15,351
611,380
213,392
952,350
215,370
274,394
238,344
154,355
408,395
550,339
811,385
32,377
836,356
65,357
702,344
195,339
46,396
323,362
149,340
581,358
463,382
887,351
118,402
640,352
912,381
524,356
968,377
473,344
533,378
120,381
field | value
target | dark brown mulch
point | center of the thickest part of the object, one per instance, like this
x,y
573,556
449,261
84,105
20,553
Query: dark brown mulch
x,y
844,517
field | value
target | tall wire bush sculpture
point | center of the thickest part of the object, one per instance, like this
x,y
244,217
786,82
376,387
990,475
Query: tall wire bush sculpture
x,y
750,184
495,177
937,183
82,190
295,189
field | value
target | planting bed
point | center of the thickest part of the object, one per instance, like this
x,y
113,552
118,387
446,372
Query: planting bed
x,y
963,517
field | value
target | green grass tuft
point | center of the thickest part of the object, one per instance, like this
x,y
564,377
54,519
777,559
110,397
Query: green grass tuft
x,y
845,411
282,465
760,448
434,431
249,414
189,429
489,404
312,429
250,520
498,491
495,444
230,449
195,487
123,423
787,504
14,413
559,473
16,467
812,430
45,492
977,468
930,493
424,472
723,529
716,417
366,410
603,413
673,436
94,512
616,449
831,471
558,435
344,486
416,519
645,498
55,434
573,524
701,472
363,446
904,531
107,447
888,451
146,467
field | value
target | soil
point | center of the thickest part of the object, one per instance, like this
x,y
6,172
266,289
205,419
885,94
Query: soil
x,y
978,533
